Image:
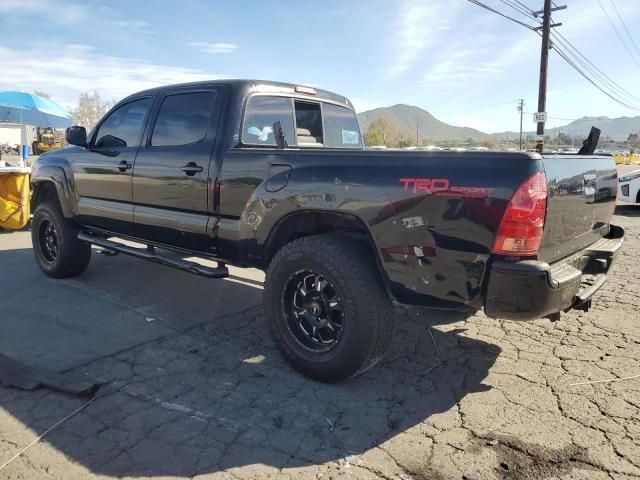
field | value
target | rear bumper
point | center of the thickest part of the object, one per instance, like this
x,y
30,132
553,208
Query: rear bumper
x,y
530,289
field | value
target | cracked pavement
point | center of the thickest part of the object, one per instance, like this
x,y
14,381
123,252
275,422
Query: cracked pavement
x,y
197,395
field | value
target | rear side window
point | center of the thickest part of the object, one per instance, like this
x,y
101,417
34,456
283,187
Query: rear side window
x,y
123,127
340,127
183,119
261,114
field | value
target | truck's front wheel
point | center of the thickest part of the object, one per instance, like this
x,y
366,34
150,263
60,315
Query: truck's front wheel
x,y
326,307
58,251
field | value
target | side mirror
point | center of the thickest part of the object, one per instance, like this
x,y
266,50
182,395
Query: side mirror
x,y
76,136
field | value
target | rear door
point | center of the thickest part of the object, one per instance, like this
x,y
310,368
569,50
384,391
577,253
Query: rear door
x,y
102,172
171,177
580,203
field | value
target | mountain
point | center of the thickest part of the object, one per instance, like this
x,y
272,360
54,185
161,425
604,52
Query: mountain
x,y
406,117
616,128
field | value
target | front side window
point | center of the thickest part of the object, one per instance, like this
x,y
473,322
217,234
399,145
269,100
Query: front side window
x,y
123,127
340,127
183,119
262,113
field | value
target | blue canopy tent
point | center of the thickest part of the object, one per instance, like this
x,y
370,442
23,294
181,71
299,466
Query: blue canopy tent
x,y
30,109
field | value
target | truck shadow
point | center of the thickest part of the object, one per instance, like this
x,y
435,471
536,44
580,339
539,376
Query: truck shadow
x,y
215,395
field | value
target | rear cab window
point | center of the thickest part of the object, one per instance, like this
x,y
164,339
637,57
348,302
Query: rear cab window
x,y
341,127
305,123
261,115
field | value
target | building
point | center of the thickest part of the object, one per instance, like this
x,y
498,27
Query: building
x,y
15,133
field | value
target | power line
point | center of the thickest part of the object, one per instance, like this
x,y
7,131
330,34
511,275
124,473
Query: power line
x,y
562,54
602,77
591,67
633,42
573,56
612,95
525,7
517,8
480,4
615,29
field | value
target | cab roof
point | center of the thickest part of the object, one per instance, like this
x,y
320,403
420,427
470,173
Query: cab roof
x,y
246,87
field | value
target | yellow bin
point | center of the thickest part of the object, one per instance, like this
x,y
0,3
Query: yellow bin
x,y
14,197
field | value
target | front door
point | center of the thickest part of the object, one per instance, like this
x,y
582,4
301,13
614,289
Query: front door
x,y
171,176
103,170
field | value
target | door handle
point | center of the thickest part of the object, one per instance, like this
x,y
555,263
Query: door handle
x,y
191,169
123,166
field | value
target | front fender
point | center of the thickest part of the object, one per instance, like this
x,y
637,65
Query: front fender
x,y
57,173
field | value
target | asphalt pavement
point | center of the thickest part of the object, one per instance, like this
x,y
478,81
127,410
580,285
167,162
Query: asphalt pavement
x,y
192,386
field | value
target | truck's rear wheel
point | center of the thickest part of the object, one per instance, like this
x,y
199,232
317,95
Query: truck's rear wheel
x,y
326,308
58,251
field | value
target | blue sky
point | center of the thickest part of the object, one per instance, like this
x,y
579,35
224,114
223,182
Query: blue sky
x,y
465,65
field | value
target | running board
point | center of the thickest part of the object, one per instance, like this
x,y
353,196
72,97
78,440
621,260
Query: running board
x,y
149,254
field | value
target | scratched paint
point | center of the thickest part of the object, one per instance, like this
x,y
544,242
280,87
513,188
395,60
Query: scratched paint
x,y
413,222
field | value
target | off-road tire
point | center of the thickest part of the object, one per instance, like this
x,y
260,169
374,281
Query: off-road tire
x,y
72,256
368,313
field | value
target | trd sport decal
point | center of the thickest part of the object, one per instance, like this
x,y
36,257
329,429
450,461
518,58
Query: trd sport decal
x,y
442,187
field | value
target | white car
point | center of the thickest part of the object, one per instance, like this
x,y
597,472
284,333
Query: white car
x,y
630,187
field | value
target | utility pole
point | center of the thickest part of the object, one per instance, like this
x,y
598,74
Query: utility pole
x,y
417,141
541,115
521,110
544,62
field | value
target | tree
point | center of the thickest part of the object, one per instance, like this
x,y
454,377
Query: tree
x,y
563,139
90,109
490,143
634,140
373,137
42,94
404,140
382,131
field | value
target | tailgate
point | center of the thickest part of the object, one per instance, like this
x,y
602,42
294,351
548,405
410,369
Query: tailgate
x,y
580,203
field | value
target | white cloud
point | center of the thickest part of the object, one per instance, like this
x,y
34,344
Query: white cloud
x,y
21,5
461,66
61,14
214,48
480,66
419,27
80,68
362,104
134,26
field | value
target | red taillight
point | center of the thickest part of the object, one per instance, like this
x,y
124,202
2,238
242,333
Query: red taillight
x,y
522,225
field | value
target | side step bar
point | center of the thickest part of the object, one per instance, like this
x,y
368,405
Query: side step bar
x,y
149,254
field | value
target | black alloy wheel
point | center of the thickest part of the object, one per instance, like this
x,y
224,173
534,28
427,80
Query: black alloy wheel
x,y
314,310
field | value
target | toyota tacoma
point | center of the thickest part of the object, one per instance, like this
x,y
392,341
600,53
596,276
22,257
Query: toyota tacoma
x,y
275,176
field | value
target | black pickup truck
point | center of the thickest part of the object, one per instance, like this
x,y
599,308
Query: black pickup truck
x,y
275,176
